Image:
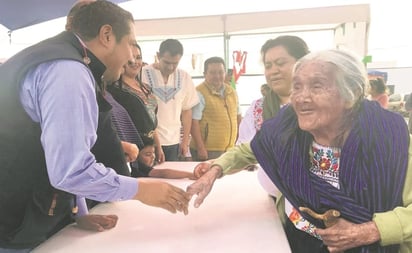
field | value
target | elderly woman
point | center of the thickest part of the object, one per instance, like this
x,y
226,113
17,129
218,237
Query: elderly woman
x,y
331,152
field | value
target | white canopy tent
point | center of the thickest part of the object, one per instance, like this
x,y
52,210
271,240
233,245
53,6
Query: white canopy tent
x,y
338,20
227,24
234,31
307,18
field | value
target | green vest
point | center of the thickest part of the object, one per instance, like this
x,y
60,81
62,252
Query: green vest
x,y
218,126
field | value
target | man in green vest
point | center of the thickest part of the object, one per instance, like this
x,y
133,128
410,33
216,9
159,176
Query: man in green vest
x,y
216,118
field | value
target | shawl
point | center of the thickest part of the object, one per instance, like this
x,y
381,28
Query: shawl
x,y
373,166
271,105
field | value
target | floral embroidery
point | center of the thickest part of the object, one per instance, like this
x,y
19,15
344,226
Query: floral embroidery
x,y
258,114
300,223
325,161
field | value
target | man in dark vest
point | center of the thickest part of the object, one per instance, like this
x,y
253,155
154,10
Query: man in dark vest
x,y
51,105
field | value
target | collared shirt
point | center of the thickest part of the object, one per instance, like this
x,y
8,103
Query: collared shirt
x,y
61,96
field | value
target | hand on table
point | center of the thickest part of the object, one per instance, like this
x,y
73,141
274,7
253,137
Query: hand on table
x,y
201,169
131,151
204,184
202,154
346,235
164,195
96,222
160,155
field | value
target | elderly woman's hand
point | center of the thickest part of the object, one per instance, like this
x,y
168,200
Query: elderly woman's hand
x,y
204,184
345,235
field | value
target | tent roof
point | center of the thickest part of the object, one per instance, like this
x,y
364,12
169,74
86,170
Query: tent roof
x,y
16,14
281,20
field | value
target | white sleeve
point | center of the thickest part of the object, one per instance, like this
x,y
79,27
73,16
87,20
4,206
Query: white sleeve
x,y
267,183
247,128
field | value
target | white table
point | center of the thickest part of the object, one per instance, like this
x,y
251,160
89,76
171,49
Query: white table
x,y
237,216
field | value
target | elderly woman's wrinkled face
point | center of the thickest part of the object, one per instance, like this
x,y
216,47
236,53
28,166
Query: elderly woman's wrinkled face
x,y
316,100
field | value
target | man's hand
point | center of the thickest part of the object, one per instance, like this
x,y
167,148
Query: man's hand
x,y
202,154
160,155
96,222
162,194
346,235
183,150
204,184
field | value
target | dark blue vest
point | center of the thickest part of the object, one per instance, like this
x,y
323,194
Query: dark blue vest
x,y
25,191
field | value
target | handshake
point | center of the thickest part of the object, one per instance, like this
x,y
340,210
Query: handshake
x,y
162,194
174,199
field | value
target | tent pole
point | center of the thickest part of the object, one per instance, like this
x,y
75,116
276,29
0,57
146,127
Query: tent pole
x,y
9,33
226,39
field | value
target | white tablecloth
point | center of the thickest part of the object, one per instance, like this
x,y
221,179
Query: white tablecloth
x,y
237,216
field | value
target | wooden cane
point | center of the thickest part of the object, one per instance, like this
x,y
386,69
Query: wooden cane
x,y
329,218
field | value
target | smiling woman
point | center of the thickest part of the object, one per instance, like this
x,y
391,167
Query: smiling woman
x,y
320,150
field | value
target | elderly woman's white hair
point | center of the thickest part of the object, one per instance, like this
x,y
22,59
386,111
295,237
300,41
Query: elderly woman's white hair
x,y
351,75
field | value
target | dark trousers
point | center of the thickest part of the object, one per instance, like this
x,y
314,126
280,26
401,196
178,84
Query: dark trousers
x,y
171,152
210,154
302,242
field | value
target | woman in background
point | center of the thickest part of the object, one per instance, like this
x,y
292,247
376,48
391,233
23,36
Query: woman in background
x,y
138,100
278,56
378,92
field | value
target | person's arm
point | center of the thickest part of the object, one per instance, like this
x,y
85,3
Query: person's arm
x,y
131,151
60,95
197,138
186,124
64,104
234,160
190,100
197,114
247,126
395,226
390,227
160,155
170,173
